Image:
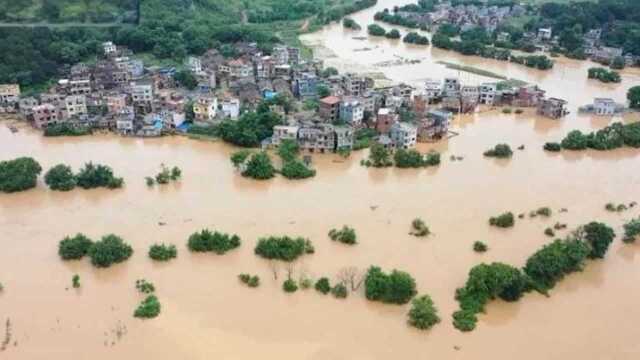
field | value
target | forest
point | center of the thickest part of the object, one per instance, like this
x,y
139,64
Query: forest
x,y
68,11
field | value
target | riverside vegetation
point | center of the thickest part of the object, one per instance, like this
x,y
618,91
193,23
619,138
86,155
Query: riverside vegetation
x,y
165,175
346,235
207,241
379,156
611,137
542,271
111,249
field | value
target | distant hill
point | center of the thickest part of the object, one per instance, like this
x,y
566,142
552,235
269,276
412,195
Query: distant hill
x,y
69,11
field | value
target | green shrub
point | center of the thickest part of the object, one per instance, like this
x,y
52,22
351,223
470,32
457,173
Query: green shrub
x,y
499,151
599,236
323,285
549,232
419,228
65,130
144,286
149,308
480,247
339,291
396,288
305,283
111,249
206,240
283,248
74,248
75,281
551,263
423,314
575,140
289,286
238,158
296,169
60,178
393,34
162,252
259,167
504,220
376,30
519,111
346,235
544,211
408,158
631,230
379,156
485,283
249,280
19,174
507,111
150,181
432,159
94,176
552,146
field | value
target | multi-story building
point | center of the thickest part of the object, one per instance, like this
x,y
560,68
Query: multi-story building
x,y
317,137
239,68
385,120
330,108
283,132
604,106
432,89
552,108
351,111
141,93
26,105
403,135
344,137
9,93
75,106
230,108
434,126
194,64
305,85
45,115
488,93
109,48
451,87
116,102
205,108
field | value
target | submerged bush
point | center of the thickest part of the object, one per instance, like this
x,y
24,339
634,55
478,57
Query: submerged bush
x,y
599,236
631,230
551,263
111,249
339,291
259,167
60,178
296,169
499,151
19,174
504,220
206,240
289,286
346,235
162,252
323,285
544,211
74,248
480,247
423,314
75,281
395,288
149,308
94,176
249,280
552,146
283,248
419,228
144,286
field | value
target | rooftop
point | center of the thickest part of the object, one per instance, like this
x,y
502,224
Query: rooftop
x,y
330,100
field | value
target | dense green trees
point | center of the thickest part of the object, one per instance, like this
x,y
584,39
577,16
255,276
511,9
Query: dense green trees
x,y
379,156
393,34
423,314
74,248
487,282
395,288
499,151
633,95
162,252
65,129
250,129
504,220
289,286
323,286
613,136
259,167
296,169
283,248
186,79
604,75
376,30
395,19
631,230
552,146
60,177
346,235
339,291
249,280
415,38
19,174
349,23
551,263
480,247
149,308
111,249
599,236
94,176
413,159
219,243
238,158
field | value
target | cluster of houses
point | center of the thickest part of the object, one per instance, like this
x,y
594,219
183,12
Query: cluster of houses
x,y
470,16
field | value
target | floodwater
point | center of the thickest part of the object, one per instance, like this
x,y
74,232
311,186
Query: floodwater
x,y
207,314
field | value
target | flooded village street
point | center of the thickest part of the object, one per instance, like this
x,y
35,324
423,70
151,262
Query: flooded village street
x,y
207,314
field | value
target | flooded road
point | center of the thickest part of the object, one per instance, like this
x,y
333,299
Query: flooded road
x,y
207,313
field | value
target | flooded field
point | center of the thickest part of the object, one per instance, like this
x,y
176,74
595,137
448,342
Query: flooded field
x,y
207,313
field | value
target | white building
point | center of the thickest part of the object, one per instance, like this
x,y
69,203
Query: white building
x,y
109,47
451,86
488,93
604,106
230,108
9,93
544,34
283,132
205,108
403,135
141,93
75,105
194,64
432,89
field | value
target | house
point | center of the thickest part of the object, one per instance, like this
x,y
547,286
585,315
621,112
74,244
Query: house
x,y
125,121
344,137
116,103
141,93
604,106
386,142
528,96
317,138
74,106
305,85
239,68
109,48
544,34
351,111
9,93
205,108
45,115
283,132
434,126
432,89
553,108
355,85
488,93
194,64
469,96
393,102
74,87
330,108
403,135
451,86
385,120
280,54
230,108
606,54
26,105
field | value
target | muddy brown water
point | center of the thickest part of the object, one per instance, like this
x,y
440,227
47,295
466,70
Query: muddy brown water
x,y
207,314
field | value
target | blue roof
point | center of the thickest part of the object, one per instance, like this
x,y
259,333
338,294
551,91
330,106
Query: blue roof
x,y
184,127
268,94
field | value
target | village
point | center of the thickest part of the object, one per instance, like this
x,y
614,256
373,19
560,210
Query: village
x,y
121,95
